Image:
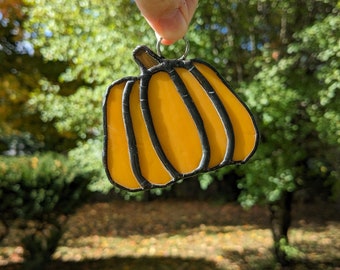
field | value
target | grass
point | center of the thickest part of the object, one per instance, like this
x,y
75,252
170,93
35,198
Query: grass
x,y
186,235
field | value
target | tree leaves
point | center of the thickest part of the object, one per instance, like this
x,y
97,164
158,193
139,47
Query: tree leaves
x,y
284,58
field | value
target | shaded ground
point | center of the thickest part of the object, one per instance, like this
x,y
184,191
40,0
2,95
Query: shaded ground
x,y
186,235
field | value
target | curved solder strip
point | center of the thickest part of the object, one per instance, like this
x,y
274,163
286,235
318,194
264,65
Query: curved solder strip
x,y
222,113
144,95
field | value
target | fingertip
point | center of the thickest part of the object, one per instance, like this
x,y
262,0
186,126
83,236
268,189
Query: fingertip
x,y
167,42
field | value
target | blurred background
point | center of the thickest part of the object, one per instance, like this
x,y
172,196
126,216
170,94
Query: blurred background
x,y
57,58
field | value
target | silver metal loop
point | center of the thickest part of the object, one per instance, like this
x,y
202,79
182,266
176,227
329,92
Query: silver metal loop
x,y
185,54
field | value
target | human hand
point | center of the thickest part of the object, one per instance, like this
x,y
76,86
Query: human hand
x,y
169,18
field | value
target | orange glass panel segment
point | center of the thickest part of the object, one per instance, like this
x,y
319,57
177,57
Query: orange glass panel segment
x,y
151,166
212,122
244,128
118,160
175,128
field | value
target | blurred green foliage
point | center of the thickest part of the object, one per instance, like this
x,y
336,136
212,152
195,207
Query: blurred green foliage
x,y
282,57
33,187
39,192
297,100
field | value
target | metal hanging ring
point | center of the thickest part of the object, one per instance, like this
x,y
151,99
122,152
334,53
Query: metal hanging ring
x,y
187,48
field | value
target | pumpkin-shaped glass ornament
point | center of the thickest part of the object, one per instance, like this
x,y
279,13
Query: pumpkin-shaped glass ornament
x,y
177,119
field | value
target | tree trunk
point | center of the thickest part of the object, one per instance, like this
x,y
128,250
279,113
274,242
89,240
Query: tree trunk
x,y
280,216
5,232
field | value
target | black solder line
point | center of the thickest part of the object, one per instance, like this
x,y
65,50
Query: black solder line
x,y
187,99
144,103
221,111
133,150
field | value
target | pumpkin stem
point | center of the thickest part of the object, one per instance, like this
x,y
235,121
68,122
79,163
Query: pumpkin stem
x,y
146,58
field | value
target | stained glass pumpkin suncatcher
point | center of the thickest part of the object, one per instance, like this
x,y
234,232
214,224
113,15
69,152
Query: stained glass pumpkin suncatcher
x,y
177,119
